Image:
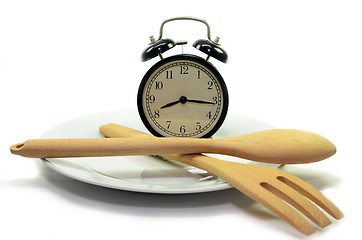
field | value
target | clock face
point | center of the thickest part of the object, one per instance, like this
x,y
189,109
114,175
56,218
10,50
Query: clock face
x,y
183,96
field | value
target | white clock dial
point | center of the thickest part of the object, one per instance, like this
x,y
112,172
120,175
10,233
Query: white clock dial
x,y
183,98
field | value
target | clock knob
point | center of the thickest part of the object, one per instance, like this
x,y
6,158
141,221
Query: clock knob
x,y
156,48
211,49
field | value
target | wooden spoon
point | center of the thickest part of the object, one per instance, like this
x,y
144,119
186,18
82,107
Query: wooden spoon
x,y
265,185
281,146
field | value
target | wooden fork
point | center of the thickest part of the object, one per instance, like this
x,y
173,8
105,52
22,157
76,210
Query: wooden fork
x,y
275,189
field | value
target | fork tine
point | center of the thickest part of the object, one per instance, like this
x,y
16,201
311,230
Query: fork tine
x,y
311,193
298,201
281,208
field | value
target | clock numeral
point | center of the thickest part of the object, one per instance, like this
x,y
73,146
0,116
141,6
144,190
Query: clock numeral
x,y
168,74
210,83
184,70
182,129
198,74
215,100
198,126
168,124
152,99
208,115
156,114
158,85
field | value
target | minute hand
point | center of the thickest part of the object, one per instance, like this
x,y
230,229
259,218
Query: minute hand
x,y
201,102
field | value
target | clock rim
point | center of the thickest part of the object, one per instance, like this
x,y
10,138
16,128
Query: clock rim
x,y
188,57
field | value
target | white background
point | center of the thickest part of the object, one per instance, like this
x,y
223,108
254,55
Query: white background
x,y
293,64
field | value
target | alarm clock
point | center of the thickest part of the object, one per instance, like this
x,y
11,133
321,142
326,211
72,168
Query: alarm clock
x,y
183,95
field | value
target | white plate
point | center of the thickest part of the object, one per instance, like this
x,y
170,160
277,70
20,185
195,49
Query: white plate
x,y
140,173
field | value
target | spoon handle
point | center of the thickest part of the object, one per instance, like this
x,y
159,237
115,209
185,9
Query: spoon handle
x,y
99,147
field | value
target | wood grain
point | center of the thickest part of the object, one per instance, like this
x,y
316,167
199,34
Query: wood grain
x,y
276,190
282,146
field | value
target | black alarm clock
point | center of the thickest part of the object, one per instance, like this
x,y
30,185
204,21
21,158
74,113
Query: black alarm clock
x,y
183,95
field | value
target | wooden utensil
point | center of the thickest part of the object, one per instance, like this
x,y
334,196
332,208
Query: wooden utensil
x,y
282,146
268,186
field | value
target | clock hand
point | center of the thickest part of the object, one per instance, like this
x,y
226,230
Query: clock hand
x,y
201,101
183,100
170,104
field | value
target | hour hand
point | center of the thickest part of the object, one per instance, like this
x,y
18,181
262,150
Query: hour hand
x,y
170,104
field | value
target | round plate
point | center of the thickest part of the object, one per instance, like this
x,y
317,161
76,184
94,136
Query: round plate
x,y
141,173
